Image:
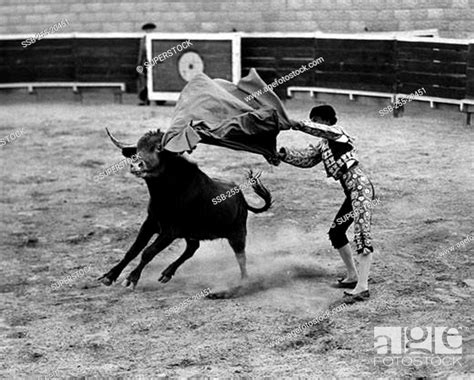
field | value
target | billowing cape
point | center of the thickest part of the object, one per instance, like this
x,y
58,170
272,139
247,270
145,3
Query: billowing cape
x,y
215,111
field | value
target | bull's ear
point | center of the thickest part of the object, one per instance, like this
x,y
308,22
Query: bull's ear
x,y
129,151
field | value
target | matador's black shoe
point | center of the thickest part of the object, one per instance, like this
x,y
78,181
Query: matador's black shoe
x,y
353,298
345,285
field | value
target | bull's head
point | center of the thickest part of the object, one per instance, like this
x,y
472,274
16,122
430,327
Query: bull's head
x,y
148,151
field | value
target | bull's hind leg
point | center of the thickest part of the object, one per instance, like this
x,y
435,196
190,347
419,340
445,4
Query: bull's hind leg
x,y
161,242
191,247
238,245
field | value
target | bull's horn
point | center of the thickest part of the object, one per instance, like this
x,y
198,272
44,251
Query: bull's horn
x,y
117,143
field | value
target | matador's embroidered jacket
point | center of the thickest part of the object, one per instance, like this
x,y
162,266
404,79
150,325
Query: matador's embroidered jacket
x,y
336,150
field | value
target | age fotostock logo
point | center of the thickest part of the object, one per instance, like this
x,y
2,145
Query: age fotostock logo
x,y
417,345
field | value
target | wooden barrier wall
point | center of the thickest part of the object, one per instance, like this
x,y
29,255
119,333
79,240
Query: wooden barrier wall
x,y
439,68
48,60
470,72
70,60
443,69
114,60
348,64
276,57
357,64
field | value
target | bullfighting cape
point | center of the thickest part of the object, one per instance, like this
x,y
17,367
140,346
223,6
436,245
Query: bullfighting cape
x,y
216,112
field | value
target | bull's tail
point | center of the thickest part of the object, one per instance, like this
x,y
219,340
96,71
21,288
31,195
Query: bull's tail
x,y
261,191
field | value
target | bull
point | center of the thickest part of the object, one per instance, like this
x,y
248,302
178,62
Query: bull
x,y
180,207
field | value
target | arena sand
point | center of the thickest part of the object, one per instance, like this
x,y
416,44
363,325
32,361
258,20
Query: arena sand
x,y
56,220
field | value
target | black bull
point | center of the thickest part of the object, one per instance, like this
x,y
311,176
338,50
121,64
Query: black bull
x,y
180,206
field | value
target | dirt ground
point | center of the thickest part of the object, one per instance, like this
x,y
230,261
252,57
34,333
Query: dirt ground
x,y
55,221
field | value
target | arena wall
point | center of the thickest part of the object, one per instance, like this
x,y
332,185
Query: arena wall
x,y
393,66
453,18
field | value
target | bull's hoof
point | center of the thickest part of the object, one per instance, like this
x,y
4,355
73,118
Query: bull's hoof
x,y
164,278
107,281
127,283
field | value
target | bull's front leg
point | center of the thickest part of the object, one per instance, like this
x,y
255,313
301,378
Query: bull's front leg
x,y
161,242
147,230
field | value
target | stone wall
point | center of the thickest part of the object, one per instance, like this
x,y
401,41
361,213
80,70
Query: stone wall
x,y
453,18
